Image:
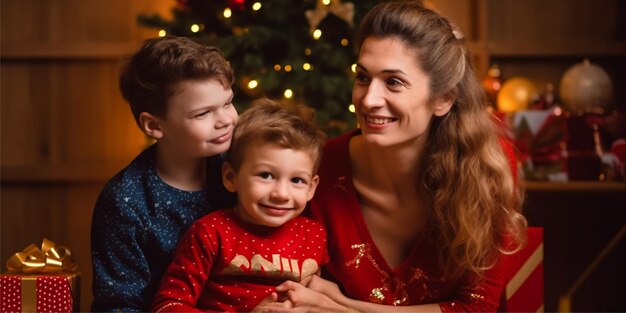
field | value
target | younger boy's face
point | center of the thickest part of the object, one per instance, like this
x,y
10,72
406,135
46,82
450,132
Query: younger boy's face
x,y
273,184
200,118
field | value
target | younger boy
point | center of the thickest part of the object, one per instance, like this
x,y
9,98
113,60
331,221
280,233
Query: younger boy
x,y
231,259
179,92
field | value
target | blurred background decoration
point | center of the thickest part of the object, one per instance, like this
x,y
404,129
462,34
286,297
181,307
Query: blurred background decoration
x,y
516,94
282,48
492,83
574,137
586,87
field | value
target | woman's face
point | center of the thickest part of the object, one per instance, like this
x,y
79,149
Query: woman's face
x,y
391,93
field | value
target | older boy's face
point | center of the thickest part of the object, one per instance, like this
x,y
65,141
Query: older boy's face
x,y
273,184
200,118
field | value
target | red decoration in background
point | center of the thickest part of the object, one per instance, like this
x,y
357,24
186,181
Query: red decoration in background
x,y
540,140
619,149
237,4
492,84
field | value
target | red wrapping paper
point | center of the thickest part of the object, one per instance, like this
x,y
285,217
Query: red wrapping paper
x,y
58,292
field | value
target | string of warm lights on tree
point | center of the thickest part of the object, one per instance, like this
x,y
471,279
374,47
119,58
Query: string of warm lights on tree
x,y
295,49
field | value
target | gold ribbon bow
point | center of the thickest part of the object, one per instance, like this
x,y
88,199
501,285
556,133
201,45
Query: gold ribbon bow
x,y
48,259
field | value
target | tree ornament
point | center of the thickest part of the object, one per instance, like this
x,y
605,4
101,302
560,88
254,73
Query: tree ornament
x,y
492,84
237,4
516,94
586,87
316,16
344,11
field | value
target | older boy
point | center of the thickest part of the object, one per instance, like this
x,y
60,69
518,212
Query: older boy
x,y
180,94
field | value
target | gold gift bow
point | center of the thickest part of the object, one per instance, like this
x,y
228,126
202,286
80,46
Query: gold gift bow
x,y
48,259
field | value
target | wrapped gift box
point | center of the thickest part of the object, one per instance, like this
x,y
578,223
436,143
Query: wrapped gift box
x,y
40,280
584,147
523,274
55,292
556,146
540,138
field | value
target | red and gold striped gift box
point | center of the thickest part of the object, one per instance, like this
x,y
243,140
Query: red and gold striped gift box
x,y
524,276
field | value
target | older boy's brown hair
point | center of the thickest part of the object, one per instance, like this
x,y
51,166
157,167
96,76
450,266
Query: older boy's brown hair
x,y
283,123
151,75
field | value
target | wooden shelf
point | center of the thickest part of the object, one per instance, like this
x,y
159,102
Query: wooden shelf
x,y
60,174
555,49
576,186
72,50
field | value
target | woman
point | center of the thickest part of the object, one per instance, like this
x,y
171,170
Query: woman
x,y
422,200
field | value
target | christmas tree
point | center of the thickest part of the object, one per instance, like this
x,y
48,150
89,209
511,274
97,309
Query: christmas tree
x,y
299,49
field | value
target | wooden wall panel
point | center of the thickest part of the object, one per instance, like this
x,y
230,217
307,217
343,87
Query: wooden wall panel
x,y
30,213
91,104
64,128
68,113
35,21
461,13
81,198
25,113
559,20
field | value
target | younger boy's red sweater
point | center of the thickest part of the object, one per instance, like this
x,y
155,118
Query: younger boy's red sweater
x,y
225,264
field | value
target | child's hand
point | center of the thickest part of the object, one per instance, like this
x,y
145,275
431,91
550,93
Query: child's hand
x,y
273,304
307,300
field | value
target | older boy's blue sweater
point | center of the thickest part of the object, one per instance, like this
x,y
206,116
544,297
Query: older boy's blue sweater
x,y
137,222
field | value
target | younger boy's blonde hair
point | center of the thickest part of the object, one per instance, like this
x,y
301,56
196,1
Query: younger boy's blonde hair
x,y
283,123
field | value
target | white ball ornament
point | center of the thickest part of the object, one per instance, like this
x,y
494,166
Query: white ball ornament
x,y
586,87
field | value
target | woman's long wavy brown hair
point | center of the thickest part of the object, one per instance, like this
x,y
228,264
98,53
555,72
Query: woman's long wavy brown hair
x,y
476,198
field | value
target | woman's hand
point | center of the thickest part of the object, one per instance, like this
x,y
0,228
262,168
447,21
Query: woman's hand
x,y
309,300
298,294
326,287
320,296
273,304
